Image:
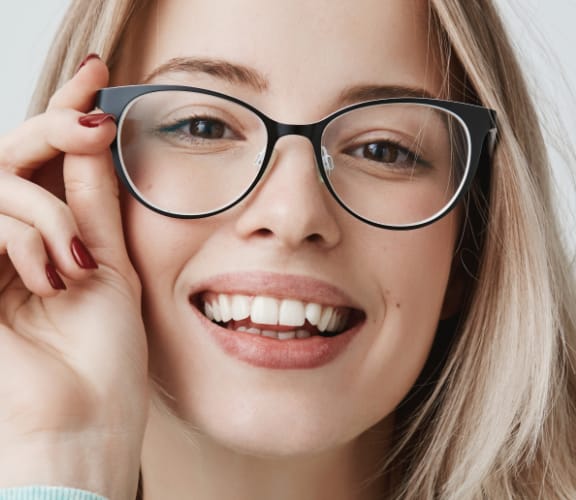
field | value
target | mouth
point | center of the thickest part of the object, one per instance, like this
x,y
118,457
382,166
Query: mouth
x,y
277,318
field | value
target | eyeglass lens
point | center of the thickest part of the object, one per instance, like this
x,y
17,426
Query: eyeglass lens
x,y
191,153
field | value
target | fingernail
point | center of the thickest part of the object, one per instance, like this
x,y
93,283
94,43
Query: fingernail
x,y
86,59
82,255
54,278
95,120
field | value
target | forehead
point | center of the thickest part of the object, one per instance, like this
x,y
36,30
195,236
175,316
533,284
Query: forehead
x,y
304,49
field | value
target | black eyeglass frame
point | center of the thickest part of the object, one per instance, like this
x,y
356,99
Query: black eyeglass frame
x,y
480,124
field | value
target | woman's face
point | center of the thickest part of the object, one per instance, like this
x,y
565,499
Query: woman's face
x,y
289,240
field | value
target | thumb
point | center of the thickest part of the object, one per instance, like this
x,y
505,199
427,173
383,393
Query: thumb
x,y
92,194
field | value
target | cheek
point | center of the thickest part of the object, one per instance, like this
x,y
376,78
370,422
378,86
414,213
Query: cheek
x,y
401,279
159,248
412,276
416,272
150,238
159,245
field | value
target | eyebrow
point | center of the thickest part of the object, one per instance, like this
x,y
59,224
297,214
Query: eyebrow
x,y
359,93
224,70
243,75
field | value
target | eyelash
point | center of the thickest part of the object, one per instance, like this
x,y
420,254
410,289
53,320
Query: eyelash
x,y
176,127
411,157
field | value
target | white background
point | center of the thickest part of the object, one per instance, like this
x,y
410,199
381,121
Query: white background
x,y
543,30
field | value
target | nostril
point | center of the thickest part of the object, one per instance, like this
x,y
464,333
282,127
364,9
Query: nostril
x,y
314,238
264,232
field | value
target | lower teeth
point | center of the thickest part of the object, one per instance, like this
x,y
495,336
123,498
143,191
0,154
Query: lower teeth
x,y
300,334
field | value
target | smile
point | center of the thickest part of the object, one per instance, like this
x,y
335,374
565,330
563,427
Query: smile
x,y
282,319
276,321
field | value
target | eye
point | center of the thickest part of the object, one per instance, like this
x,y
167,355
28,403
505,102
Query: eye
x,y
201,128
385,152
206,128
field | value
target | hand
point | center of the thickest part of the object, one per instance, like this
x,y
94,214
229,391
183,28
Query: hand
x,y
73,362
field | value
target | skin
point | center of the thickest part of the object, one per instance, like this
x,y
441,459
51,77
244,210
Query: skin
x,y
68,358
261,428
219,428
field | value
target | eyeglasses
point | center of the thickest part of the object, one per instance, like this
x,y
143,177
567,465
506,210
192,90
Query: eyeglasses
x,y
397,163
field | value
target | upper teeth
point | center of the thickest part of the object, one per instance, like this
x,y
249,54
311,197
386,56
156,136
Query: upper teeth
x,y
264,310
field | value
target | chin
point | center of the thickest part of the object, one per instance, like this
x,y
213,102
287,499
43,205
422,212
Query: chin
x,y
274,439
281,427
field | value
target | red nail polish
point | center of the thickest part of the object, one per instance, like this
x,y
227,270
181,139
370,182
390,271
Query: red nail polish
x,y
54,278
86,59
95,120
82,255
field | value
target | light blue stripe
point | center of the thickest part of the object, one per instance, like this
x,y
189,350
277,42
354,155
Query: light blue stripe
x,y
47,493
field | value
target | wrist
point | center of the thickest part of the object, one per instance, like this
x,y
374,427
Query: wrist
x,y
106,469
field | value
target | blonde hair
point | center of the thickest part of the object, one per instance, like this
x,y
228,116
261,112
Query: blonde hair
x,y
498,420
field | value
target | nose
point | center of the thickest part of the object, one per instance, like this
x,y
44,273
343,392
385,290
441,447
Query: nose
x,y
290,205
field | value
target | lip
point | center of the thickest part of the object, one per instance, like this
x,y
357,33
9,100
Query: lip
x,y
276,285
265,352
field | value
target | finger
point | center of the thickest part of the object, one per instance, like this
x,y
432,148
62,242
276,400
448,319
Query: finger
x,y
7,272
79,92
25,248
93,196
50,222
45,136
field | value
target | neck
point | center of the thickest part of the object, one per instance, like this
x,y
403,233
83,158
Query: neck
x,y
178,463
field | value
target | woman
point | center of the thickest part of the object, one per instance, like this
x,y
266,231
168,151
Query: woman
x,y
340,310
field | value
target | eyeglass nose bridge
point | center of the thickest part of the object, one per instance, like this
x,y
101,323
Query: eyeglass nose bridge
x,y
277,130
312,132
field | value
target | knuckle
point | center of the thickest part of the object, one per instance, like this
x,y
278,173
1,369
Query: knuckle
x,y
54,99
8,155
23,241
98,139
30,237
93,142
61,213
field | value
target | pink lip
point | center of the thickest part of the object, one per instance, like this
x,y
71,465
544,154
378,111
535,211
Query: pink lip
x,y
266,352
277,285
